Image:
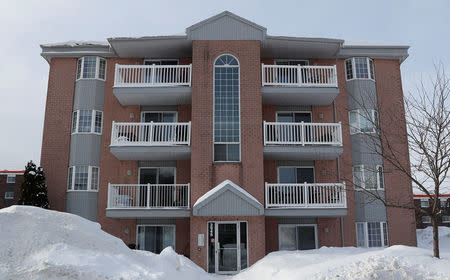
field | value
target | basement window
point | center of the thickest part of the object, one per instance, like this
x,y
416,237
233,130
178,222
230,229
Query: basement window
x,y
91,67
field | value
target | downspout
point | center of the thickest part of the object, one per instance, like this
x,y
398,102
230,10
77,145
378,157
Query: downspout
x,y
338,162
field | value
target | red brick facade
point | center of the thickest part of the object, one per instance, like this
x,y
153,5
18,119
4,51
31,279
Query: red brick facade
x,y
250,173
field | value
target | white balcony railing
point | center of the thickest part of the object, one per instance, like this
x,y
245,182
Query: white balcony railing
x,y
148,196
150,134
277,133
305,195
299,76
152,75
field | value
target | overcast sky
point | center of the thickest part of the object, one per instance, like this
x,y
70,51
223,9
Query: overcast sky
x,y
24,25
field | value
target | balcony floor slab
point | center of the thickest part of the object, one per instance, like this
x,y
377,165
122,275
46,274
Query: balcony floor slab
x,y
285,95
130,213
306,212
298,152
151,152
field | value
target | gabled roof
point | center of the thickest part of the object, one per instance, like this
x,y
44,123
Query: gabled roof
x,y
225,14
227,199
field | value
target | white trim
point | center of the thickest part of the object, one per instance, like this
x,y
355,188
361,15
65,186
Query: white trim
x,y
160,60
352,59
366,234
287,166
157,225
297,237
158,112
89,181
216,238
427,218
92,126
157,173
363,177
97,68
426,199
8,176
445,222
357,129
289,60
214,109
379,187
8,196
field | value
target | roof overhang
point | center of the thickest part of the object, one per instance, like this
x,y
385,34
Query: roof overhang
x,y
227,199
375,51
279,47
152,47
75,49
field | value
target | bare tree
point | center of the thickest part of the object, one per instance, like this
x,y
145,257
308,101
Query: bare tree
x,y
427,111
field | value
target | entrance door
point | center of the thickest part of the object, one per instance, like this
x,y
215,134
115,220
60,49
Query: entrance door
x,y
227,247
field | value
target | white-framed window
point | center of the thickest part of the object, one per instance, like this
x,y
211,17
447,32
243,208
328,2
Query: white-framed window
x,y
359,68
443,202
372,234
446,219
9,195
155,238
87,121
83,178
426,220
91,67
11,178
226,122
363,121
368,178
424,203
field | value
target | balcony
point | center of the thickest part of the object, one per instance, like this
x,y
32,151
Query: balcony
x,y
299,85
153,84
151,141
148,200
302,141
313,200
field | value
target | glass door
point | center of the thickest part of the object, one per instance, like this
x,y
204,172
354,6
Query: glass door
x,y
227,247
160,195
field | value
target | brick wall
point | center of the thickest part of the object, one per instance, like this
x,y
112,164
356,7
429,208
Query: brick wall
x,y
401,222
57,126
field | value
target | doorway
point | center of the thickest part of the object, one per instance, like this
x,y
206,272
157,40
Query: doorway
x,y
227,247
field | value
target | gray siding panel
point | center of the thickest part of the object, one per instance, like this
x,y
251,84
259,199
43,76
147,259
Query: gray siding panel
x,y
368,209
226,28
83,204
228,204
362,94
85,149
89,94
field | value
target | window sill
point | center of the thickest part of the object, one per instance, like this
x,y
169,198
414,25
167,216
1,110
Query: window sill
x,y
103,80
84,133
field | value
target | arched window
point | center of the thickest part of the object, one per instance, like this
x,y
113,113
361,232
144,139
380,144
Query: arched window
x,y
227,129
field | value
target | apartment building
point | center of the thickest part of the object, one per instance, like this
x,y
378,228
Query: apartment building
x,y
423,201
10,184
226,143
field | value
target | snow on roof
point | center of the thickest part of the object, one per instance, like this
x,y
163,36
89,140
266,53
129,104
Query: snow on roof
x,y
363,43
5,172
219,187
74,43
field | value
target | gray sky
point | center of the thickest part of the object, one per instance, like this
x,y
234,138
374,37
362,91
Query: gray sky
x,y
26,24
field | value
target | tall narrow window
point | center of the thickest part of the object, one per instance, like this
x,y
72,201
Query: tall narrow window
x,y
226,109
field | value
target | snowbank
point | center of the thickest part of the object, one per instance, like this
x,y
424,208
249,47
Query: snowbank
x,y
43,244
396,262
425,238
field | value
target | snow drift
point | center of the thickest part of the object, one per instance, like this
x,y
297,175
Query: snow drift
x,y
425,238
43,244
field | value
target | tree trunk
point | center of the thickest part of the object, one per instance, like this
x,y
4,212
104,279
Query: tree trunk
x,y
435,237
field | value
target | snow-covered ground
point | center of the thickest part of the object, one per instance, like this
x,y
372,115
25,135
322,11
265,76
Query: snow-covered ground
x,y
43,244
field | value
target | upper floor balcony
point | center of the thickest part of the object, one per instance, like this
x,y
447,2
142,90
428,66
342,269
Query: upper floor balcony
x,y
306,199
302,141
153,84
299,84
151,141
148,200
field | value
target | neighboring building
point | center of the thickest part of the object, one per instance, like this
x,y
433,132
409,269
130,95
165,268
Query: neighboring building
x,y
10,183
226,143
423,201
